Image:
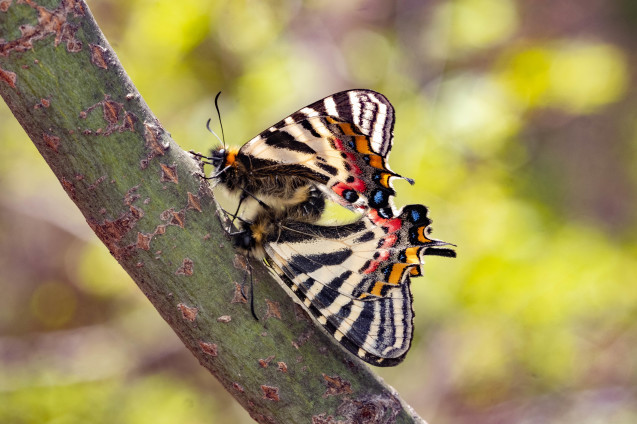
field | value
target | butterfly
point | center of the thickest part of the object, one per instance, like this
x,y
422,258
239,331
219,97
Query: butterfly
x,y
335,148
355,278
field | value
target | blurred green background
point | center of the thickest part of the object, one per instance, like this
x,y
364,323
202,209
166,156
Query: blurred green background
x,y
517,121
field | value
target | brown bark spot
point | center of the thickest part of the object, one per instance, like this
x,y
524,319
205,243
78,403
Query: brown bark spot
x,y
4,5
273,310
136,212
44,103
112,232
265,362
97,182
131,196
178,218
161,229
193,202
323,418
208,348
8,77
238,387
224,318
301,314
383,408
143,241
283,367
152,135
303,338
52,141
238,297
270,393
49,22
189,313
69,188
112,111
169,173
186,267
336,386
98,56
129,122
240,262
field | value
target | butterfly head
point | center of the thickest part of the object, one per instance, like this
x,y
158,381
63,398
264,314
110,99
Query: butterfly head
x,y
223,159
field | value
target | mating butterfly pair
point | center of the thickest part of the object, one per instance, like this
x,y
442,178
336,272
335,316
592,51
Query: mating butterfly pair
x,y
353,278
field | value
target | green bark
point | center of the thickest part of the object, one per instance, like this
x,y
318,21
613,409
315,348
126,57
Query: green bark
x,y
141,194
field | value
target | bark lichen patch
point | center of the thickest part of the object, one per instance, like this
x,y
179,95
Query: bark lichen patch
x,y
49,22
224,319
186,268
187,312
153,136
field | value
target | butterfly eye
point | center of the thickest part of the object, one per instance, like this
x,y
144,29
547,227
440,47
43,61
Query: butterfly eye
x,y
218,158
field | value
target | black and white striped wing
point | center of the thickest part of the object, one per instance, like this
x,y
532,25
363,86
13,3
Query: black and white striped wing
x,y
355,278
340,142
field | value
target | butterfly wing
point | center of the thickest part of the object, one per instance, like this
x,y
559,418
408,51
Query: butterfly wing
x,y
340,142
355,278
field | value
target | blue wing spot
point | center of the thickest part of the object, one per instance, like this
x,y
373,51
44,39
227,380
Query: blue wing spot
x,y
350,195
379,198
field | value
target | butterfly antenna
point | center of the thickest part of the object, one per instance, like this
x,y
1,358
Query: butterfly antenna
x,y
219,115
223,139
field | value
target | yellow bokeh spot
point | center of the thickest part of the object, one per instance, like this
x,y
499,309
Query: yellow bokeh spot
x,y
585,77
576,77
53,304
464,25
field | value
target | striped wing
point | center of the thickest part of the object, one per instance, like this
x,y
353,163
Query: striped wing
x,y
355,278
341,142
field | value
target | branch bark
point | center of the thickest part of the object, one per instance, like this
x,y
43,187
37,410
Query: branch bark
x,y
142,196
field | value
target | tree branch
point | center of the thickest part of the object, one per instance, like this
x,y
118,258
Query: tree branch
x,y
142,196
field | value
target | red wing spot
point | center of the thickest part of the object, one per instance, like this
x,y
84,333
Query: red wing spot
x,y
338,144
359,185
339,188
389,241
